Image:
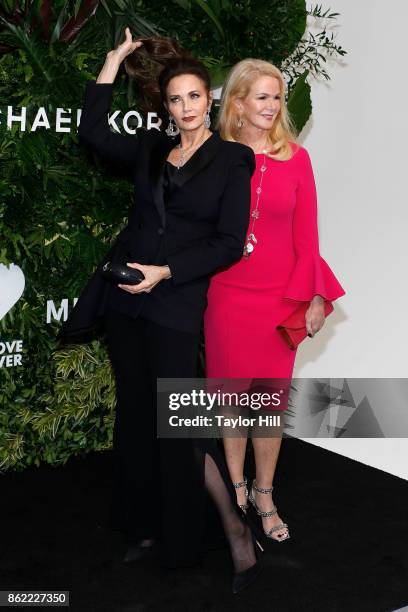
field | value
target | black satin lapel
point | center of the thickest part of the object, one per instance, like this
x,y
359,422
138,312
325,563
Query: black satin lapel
x,y
200,160
158,158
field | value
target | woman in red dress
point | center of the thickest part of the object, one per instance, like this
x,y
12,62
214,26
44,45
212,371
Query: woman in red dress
x,y
281,267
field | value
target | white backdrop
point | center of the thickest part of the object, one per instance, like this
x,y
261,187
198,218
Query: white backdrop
x,y
357,140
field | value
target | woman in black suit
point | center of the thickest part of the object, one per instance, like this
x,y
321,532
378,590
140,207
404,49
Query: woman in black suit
x,y
189,219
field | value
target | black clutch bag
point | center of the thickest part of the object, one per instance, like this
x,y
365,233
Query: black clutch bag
x,y
121,273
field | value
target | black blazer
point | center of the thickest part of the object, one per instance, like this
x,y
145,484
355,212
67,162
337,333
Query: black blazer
x,y
200,229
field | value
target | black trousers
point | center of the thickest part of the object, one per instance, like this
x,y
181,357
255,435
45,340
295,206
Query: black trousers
x,y
158,490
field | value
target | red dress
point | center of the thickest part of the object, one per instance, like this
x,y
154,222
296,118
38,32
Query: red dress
x,y
248,300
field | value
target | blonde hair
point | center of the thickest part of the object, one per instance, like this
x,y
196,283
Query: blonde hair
x,y
237,85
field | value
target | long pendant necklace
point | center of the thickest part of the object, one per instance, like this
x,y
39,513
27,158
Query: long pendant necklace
x,y
251,240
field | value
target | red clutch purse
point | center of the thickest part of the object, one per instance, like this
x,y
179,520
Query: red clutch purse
x,y
293,329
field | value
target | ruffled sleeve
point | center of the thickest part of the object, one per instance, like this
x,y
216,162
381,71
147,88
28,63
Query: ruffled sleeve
x,y
311,274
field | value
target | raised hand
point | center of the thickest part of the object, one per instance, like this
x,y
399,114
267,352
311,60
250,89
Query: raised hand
x,y
115,57
126,47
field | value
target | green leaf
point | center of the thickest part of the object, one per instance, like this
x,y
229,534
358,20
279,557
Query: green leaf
x,y
211,14
218,74
300,102
58,24
299,26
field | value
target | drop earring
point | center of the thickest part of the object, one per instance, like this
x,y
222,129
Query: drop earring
x,y
207,119
240,123
172,129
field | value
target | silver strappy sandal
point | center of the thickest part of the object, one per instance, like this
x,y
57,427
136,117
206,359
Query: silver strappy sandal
x,y
238,485
267,514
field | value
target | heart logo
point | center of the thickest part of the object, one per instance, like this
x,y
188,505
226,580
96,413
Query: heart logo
x,y
12,283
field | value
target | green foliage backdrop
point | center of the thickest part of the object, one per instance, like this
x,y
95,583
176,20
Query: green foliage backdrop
x,y
60,207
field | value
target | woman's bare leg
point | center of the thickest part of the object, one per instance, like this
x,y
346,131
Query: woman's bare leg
x,y
266,452
234,449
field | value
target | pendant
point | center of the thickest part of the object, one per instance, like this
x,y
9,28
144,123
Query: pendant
x,y
249,247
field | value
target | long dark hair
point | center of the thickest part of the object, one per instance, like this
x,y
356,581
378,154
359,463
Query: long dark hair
x,y
155,63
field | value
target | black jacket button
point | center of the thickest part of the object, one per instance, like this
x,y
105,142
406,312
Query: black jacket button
x,y
160,231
